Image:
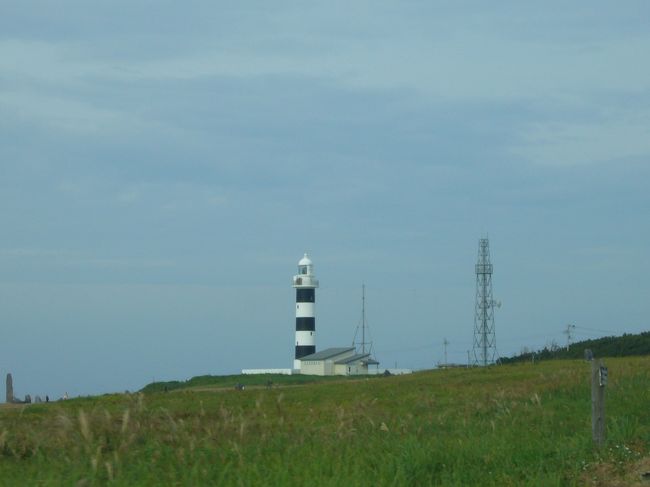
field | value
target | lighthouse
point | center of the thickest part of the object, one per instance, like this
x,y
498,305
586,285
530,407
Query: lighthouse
x,y
305,283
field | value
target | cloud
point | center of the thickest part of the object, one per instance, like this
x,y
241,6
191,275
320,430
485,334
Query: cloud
x,y
56,113
66,258
564,144
493,54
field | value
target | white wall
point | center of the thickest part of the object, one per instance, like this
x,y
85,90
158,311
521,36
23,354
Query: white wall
x,y
266,371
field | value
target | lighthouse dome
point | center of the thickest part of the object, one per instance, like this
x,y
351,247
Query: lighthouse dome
x,y
305,261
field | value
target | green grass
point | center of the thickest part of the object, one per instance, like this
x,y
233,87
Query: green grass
x,y
508,425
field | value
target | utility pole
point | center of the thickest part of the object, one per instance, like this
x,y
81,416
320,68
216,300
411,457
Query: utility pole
x,y
445,343
569,337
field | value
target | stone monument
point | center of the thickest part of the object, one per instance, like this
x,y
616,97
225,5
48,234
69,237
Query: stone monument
x,y
10,388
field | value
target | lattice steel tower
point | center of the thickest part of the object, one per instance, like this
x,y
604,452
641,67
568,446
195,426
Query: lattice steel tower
x,y
485,346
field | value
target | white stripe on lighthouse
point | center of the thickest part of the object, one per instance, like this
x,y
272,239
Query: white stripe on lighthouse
x,y
305,338
305,310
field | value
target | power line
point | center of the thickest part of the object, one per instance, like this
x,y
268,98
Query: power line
x,y
409,349
594,329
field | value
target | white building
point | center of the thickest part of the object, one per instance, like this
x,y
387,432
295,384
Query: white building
x,y
336,361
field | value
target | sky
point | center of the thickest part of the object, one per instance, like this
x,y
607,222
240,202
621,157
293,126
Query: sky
x,y
165,165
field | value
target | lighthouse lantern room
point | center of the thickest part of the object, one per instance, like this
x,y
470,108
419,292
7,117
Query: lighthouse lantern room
x,y
305,283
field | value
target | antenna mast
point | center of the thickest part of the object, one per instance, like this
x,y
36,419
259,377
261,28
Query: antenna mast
x,y
363,318
485,350
363,325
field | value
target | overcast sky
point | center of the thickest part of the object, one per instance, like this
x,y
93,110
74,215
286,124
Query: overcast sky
x,y
164,165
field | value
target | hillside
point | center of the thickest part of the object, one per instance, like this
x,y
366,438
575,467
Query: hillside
x,y
520,424
612,346
230,381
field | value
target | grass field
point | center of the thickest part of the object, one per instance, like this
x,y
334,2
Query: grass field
x,y
507,425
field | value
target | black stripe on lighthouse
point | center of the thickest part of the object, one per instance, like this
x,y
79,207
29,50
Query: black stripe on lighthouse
x,y
302,350
305,296
306,324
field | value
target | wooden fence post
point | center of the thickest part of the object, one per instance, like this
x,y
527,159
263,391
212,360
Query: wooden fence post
x,y
598,383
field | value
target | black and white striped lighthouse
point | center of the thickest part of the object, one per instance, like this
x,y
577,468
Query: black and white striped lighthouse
x,y
305,283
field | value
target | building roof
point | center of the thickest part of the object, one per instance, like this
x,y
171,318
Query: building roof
x,y
359,357
327,353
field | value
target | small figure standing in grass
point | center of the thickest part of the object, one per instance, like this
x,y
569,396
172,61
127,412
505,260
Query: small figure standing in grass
x,y
269,384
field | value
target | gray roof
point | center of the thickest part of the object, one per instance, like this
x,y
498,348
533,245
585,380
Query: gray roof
x,y
359,357
327,353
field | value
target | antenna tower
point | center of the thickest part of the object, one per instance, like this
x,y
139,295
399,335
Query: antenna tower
x,y
363,325
485,348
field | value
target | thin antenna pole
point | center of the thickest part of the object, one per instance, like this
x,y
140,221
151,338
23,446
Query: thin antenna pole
x,y
363,325
363,317
445,343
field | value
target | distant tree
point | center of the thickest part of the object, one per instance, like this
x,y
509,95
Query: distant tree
x,y
610,346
